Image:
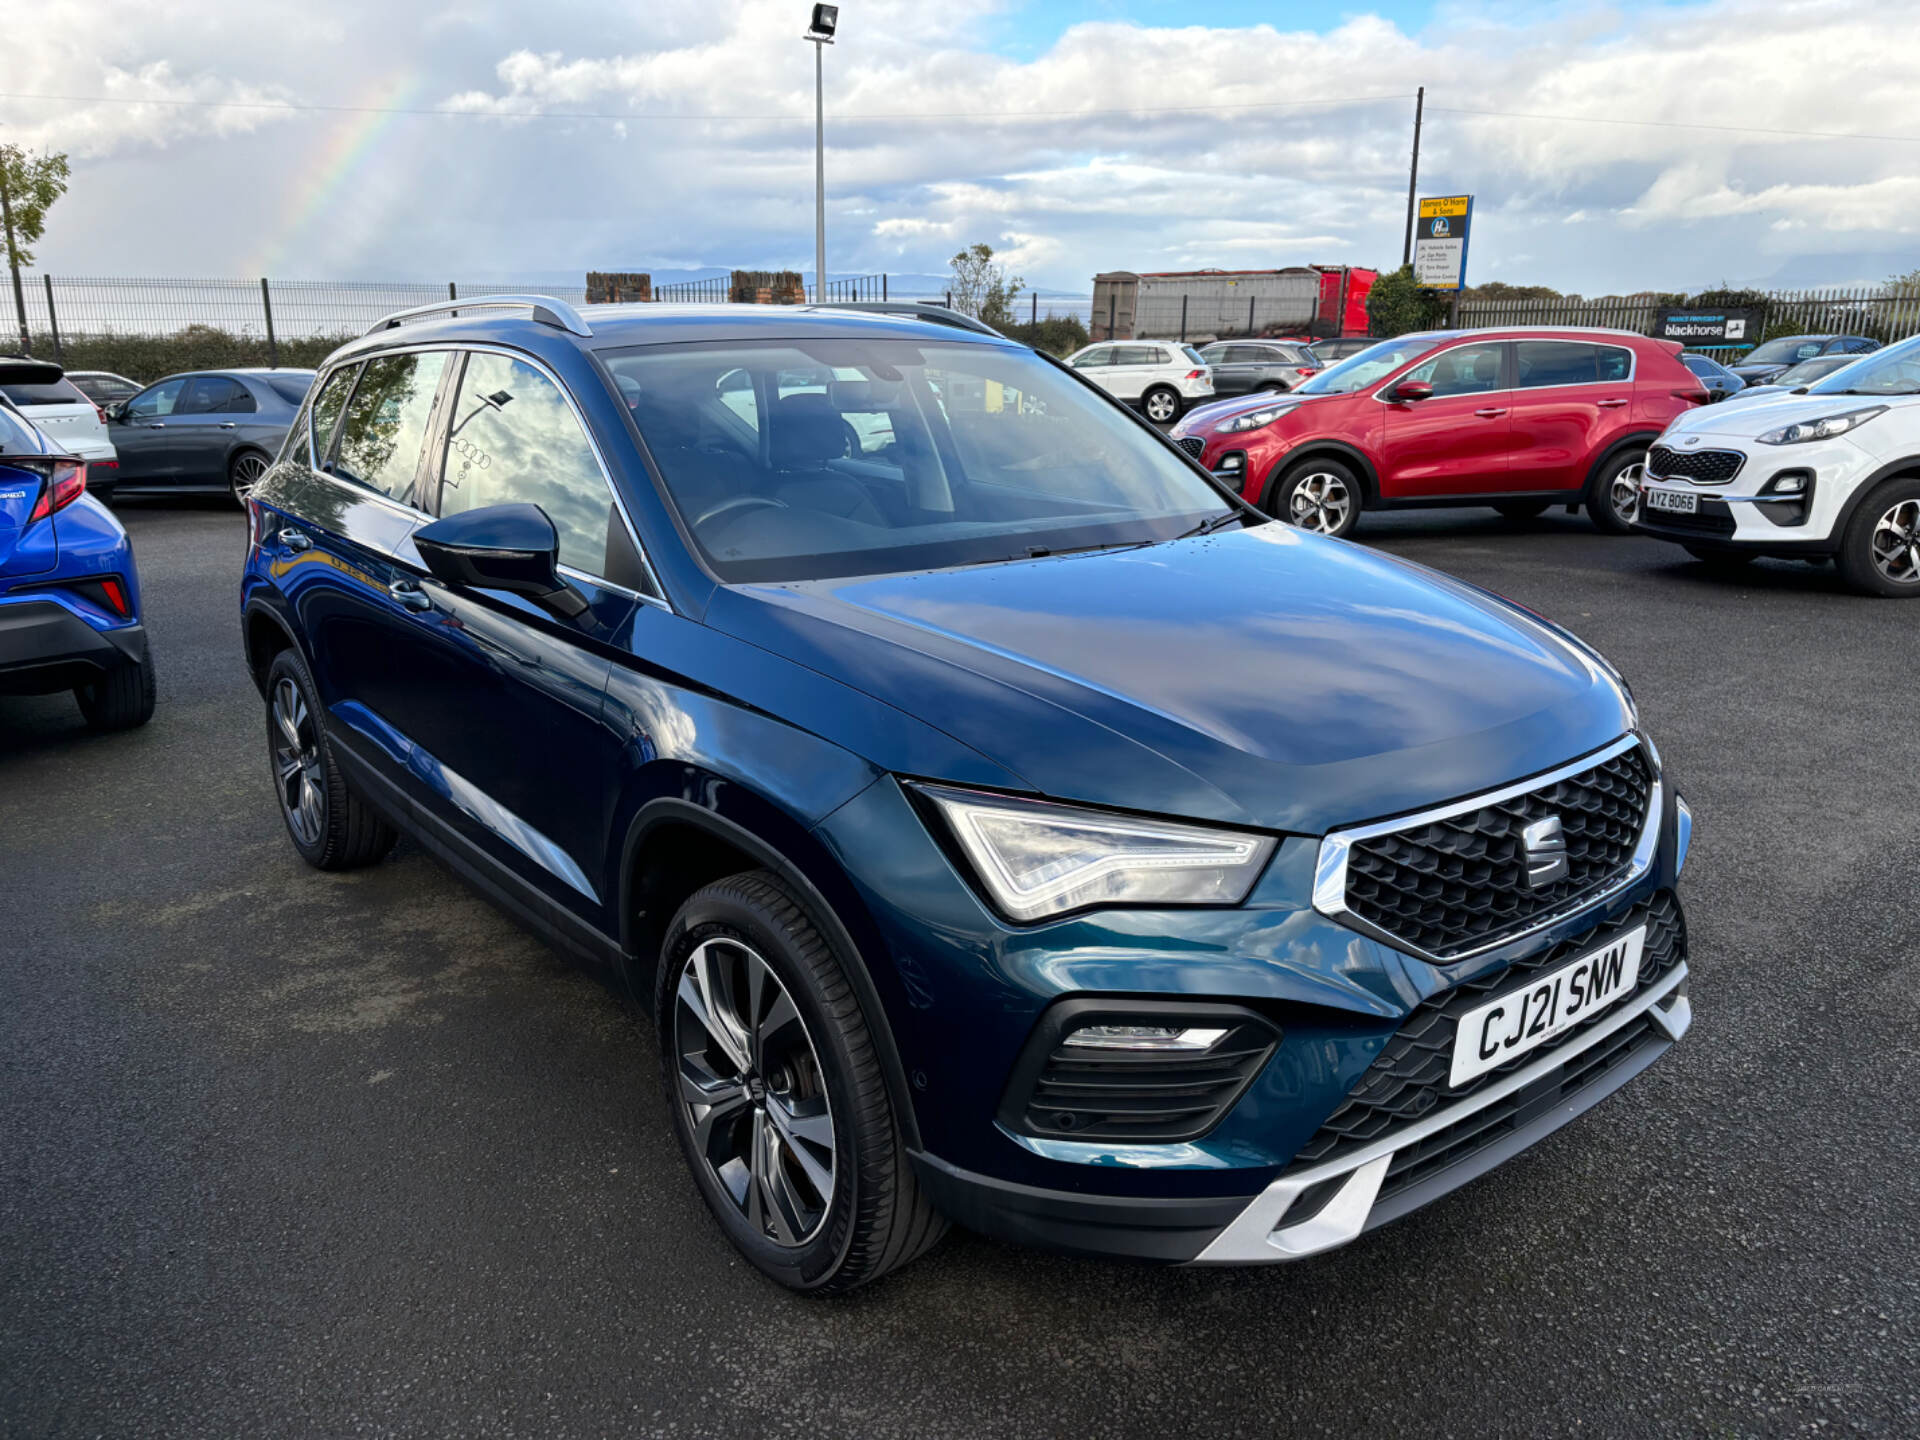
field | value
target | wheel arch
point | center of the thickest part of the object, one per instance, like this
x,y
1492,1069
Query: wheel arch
x,y
1636,440
674,846
1339,450
264,633
1907,467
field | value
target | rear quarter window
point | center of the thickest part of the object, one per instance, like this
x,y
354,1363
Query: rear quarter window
x,y
59,392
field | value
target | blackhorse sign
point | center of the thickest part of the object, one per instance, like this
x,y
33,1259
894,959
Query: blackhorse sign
x,y
1709,326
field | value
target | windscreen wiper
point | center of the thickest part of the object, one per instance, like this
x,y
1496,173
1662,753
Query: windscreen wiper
x,y
1209,525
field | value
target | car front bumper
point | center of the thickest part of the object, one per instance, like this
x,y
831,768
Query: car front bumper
x,y
965,995
1742,515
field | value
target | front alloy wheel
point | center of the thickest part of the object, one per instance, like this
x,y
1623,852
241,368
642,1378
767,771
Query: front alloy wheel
x,y
753,1091
1896,543
1880,548
1321,500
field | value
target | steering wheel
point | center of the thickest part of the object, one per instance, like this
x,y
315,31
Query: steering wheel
x,y
738,502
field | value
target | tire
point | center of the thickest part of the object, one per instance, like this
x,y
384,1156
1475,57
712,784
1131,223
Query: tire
x,y
1319,495
1522,509
331,826
845,1206
1721,562
121,701
1613,499
1880,552
1162,404
244,472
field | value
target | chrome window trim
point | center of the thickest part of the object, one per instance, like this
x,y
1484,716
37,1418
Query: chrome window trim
x,y
1259,1232
1330,869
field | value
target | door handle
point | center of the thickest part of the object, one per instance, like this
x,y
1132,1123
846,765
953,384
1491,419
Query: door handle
x,y
157,425
410,595
294,540
1491,413
228,424
1611,404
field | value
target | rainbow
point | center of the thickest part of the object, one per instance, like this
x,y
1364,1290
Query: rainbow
x,y
339,156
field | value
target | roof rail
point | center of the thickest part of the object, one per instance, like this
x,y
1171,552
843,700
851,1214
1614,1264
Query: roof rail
x,y
914,310
546,311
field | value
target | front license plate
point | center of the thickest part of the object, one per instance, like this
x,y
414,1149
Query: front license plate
x,y
1675,501
1522,1020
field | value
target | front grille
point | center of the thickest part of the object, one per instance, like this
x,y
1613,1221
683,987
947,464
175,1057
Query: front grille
x,y
1408,1079
1459,884
1702,467
1142,1095
1194,445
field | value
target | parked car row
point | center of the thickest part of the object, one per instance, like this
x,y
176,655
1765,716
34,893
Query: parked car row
x,y
1166,379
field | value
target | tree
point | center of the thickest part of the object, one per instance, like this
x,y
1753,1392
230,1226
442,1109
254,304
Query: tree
x,y
29,184
981,286
1396,304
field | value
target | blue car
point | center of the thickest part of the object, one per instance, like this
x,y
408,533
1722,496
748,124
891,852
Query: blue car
x,y
69,593
999,821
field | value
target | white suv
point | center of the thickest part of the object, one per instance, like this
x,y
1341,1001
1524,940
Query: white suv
x,y
71,422
1829,470
1162,378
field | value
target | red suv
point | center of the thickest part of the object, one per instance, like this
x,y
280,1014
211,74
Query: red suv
x,y
1516,419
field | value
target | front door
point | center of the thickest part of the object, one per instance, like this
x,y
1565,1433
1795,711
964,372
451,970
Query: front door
x,y
504,698
1455,442
205,426
143,435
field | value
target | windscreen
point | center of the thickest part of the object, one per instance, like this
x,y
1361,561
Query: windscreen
x,y
810,459
56,392
1370,365
1892,371
1783,352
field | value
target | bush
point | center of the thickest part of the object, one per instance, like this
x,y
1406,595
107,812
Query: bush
x,y
1057,334
1396,305
147,358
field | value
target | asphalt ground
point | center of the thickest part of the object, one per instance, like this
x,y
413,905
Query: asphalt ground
x,y
291,1153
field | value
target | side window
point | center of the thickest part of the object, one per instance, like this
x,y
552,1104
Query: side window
x,y
1556,362
386,423
1852,347
157,401
1616,363
327,406
1463,370
216,395
1138,355
514,439
1099,355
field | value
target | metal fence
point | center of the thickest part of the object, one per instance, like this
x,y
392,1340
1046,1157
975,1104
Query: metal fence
x,y
66,308
1876,313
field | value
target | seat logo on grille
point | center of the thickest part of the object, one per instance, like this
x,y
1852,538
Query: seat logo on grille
x,y
1545,843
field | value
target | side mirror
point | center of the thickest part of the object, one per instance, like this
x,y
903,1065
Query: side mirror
x,y
1408,390
501,547
117,411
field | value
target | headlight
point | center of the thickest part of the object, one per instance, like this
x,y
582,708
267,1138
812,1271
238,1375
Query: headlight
x,y
1253,419
1037,860
1825,428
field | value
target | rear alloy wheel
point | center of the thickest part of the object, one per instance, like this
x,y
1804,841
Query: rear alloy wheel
x,y
244,472
331,827
120,701
1162,404
1614,502
776,1092
1319,495
1880,552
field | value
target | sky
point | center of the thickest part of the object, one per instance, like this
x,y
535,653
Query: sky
x,y
1073,136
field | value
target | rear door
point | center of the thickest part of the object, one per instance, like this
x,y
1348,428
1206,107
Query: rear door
x,y
1571,399
1134,369
206,426
1235,367
1456,442
142,434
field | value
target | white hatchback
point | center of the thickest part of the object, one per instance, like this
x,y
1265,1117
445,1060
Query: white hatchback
x,y
1161,377
1831,470
72,422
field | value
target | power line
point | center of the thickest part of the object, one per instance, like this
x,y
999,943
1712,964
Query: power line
x,y
296,107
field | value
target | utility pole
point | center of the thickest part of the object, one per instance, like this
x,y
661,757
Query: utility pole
x,y
13,264
826,19
1413,175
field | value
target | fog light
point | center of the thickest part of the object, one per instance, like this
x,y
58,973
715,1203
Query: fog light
x,y
1232,462
1144,1037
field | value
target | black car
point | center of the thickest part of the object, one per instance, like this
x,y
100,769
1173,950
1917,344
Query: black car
x,y
1241,367
1720,382
208,430
1332,352
1768,360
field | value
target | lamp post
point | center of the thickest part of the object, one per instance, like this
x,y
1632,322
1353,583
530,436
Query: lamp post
x,y
826,19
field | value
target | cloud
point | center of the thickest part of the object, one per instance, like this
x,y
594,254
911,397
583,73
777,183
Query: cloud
x,y
1051,156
